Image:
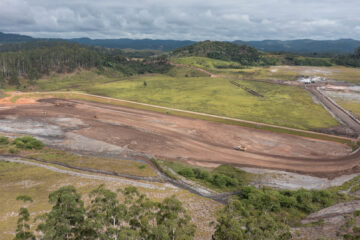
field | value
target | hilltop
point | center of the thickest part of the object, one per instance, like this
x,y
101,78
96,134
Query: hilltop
x,y
14,38
221,50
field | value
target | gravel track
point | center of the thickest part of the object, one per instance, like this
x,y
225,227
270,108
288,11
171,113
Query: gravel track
x,y
335,109
84,175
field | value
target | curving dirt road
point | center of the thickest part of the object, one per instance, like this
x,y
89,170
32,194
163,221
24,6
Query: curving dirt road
x,y
193,141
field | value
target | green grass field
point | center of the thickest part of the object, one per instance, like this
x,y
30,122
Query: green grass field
x,y
281,105
76,80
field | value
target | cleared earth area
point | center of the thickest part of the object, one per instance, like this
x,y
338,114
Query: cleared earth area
x,y
144,134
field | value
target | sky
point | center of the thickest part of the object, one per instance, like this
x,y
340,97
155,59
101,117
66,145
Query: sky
x,y
183,19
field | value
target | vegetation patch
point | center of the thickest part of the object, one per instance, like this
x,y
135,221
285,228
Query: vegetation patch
x,y
224,178
28,142
105,217
268,213
4,140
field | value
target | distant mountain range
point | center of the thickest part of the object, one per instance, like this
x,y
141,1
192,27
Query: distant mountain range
x,y
138,44
14,38
302,46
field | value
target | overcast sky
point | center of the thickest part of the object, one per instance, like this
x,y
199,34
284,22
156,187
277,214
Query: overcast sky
x,y
183,19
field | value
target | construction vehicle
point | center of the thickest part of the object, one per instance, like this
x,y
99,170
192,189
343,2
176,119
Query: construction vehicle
x,y
240,148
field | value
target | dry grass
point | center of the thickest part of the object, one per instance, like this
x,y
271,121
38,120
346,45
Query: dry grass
x,y
37,182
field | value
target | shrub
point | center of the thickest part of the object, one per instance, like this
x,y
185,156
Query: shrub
x,y
28,142
4,140
218,180
187,172
204,175
142,166
13,150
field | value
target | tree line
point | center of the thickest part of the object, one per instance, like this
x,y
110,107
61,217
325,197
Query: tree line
x,y
350,60
105,217
248,56
30,61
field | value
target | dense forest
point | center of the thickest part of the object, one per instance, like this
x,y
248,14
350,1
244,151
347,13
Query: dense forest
x,y
249,56
32,60
221,50
350,60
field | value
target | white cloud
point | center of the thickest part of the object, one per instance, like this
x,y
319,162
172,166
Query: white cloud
x,y
186,19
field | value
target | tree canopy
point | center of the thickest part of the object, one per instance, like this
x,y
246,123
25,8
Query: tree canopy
x,y
105,217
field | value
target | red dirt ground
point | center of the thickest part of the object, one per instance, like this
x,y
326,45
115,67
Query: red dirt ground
x,y
195,141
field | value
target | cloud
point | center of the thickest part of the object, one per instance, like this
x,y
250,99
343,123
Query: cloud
x,y
186,19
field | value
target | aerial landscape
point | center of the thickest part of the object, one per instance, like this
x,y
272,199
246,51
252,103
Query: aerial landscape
x,y
186,120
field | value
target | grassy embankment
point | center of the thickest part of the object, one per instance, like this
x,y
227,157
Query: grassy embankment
x,y
52,156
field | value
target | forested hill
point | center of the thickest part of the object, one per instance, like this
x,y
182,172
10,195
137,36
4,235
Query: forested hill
x,y
138,44
221,50
30,61
14,38
43,58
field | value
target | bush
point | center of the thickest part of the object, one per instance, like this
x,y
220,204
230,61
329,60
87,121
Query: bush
x,y
187,172
4,140
28,142
13,150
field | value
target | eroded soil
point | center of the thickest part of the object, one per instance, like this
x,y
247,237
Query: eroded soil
x,y
140,133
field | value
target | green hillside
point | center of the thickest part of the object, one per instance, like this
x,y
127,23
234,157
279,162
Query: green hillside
x,y
222,51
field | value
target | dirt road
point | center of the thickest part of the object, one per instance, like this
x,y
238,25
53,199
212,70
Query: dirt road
x,y
193,141
345,117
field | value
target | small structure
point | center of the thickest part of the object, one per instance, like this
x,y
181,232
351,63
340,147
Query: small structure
x,y
240,148
309,80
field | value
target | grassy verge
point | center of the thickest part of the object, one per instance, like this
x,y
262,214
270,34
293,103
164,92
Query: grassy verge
x,y
106,164
350,105
224,178
111,165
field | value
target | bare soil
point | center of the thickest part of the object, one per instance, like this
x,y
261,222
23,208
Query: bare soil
x,y
193,141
